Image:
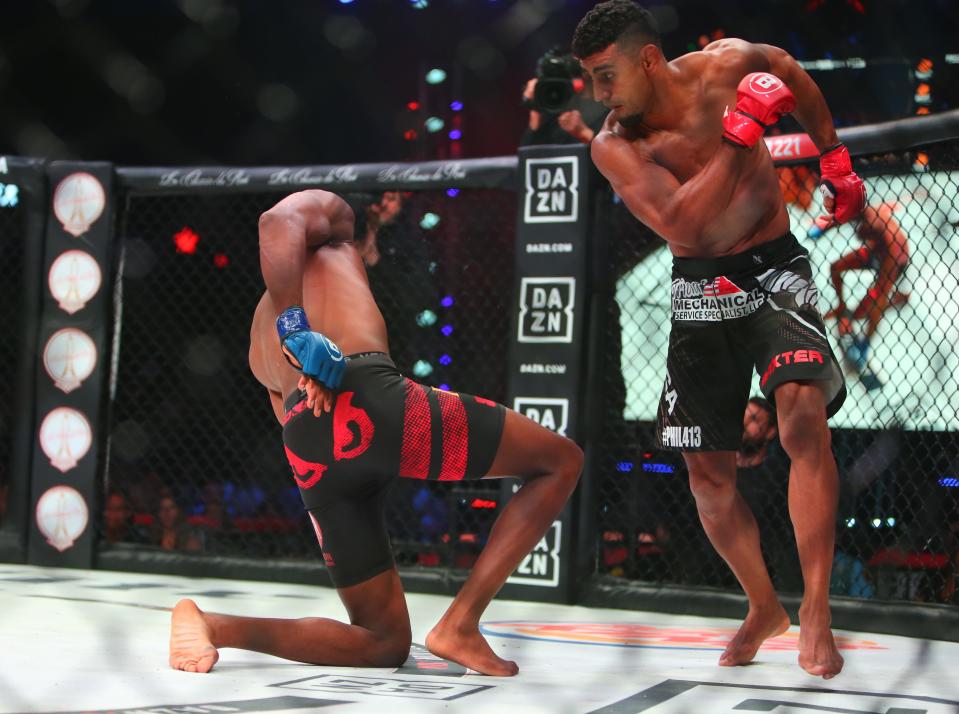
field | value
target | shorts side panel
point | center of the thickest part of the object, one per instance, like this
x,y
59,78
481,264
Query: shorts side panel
x,y
787,337
705,393
449,436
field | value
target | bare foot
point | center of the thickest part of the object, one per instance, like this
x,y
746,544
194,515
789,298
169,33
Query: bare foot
x,y
758,627
190,647
818,653
469,649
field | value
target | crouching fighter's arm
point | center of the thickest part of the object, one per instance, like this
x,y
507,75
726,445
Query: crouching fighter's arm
x,y
301,222
844,195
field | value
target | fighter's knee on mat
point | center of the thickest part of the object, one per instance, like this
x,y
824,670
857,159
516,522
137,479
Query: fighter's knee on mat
x,y
391,651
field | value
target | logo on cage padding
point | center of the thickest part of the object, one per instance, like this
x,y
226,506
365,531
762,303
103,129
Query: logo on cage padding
x,y
546,309
541,565
552,190
549,412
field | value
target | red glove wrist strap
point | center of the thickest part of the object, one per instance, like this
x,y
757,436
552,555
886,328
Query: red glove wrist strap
x,y
835,161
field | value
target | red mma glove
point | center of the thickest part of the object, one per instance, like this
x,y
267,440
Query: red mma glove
x,y
843,193
761,99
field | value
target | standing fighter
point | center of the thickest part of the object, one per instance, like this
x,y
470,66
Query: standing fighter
x,y
351,425
682,147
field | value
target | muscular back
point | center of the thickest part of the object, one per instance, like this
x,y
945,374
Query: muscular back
x,y
338,302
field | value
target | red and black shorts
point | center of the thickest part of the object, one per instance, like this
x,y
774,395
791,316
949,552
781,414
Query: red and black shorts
x,y
382,426
730,315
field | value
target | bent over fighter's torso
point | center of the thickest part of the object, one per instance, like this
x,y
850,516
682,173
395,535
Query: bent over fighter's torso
x,y
338,302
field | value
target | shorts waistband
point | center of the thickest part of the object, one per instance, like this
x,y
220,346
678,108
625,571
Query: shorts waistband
x,y
756,258
297,395
363,355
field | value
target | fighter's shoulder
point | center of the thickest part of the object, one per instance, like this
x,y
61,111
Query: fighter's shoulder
x,y
614,152
730,57
316,200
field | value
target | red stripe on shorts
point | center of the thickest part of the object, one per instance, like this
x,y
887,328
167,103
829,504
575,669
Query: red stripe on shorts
x,y
455,436
415,453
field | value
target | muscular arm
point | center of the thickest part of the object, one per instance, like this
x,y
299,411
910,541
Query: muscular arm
x,y
677,212
811,110
300,222
740,58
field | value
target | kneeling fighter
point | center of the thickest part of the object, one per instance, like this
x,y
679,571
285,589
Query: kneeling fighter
x,y
351,425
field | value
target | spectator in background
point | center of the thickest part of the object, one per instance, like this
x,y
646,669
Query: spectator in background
x,y
579,118
118,525
378,214
211,514
401,271
762,477
170,529
145,491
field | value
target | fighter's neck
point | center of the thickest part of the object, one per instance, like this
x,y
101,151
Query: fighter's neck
x,y
674,93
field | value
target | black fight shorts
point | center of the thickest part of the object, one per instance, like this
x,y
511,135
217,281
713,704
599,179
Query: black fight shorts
x,y
732,314
382,426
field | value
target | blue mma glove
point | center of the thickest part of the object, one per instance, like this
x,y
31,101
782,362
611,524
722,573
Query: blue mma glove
x,y
310,353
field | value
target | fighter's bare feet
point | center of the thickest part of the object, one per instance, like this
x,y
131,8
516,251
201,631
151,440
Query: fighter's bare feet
x,y
469,649
818,653
760,624
190,647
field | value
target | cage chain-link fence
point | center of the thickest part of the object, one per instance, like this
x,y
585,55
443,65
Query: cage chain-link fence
x,y
12,236
895,441
196,456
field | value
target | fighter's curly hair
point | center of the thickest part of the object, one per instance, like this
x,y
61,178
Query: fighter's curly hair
x,y
614,21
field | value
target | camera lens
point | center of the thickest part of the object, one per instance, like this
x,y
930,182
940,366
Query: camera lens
x,y
553,95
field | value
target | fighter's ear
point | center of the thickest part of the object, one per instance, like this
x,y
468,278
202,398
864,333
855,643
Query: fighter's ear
x,y
650,57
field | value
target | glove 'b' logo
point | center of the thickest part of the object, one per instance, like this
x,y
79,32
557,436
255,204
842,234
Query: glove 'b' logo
x,y
762,83
335,354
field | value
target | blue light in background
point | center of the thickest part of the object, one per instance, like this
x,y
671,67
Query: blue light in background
x,y
426,318
624,466
422,368
447,301
445,387
429,220
452,192
447,330
445,359
949,482
435,76
456,135
456,106
658,468
9,195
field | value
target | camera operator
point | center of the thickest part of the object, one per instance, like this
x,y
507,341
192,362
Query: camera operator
x,y
561,111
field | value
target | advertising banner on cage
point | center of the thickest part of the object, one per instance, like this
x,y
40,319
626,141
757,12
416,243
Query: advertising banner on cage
x,y
547,349
73,356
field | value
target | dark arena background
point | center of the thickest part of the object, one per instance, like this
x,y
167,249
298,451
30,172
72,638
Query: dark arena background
x,y
139,144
